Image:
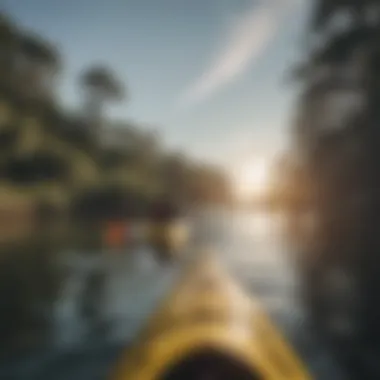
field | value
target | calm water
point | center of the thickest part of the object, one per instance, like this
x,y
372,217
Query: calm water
x,y
249,244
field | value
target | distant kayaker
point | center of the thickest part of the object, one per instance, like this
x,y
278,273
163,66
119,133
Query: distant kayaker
x,y
164,215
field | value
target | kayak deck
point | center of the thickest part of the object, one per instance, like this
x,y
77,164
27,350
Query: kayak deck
x,y
207,317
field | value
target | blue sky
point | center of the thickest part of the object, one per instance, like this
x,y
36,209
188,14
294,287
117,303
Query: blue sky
x,y
209,74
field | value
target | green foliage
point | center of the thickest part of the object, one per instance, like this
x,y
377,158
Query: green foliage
x,y
49,150
101,85
326,10
58,164
339,160
37,50
102,79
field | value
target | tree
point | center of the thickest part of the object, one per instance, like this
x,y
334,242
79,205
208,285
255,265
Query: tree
x,y
326,10
26,60
175,176
337,136
100,85
8,44
39,63
209,185
37,168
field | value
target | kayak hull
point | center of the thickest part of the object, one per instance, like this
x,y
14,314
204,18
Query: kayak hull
x,y
208,312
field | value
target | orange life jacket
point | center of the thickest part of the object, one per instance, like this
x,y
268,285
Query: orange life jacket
x,y
115,234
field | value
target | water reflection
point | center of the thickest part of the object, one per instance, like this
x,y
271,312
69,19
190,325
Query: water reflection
x,y
134,284
259,225
107,296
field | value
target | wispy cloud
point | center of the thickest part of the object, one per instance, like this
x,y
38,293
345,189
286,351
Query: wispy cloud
x,y
249,35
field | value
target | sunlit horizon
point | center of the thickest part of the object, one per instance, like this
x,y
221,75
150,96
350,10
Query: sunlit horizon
x,y
251,179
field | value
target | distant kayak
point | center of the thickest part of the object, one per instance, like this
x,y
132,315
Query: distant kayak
x,y
210,329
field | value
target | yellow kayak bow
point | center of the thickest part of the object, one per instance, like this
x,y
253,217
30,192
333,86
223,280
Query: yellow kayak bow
x,y
208,312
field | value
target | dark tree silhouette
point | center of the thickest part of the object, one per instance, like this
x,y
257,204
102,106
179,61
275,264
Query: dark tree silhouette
x,y
337,136
100,85
37,65
8,48
40,167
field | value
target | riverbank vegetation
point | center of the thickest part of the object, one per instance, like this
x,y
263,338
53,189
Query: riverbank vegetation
x,y
81,161
64,173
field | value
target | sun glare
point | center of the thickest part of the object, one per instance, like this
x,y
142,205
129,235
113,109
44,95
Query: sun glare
x,y
252,179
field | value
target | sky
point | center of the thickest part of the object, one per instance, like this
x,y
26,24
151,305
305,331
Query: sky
x,y
210,75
